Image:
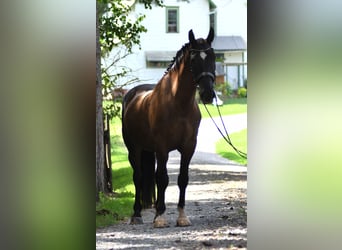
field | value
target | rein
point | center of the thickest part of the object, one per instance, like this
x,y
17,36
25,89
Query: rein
x,y
212,76
225,137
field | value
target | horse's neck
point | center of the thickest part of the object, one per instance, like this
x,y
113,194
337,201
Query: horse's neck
x,y
183,86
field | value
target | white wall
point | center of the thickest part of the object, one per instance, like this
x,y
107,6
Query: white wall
x,y
193,15
233,57
231,18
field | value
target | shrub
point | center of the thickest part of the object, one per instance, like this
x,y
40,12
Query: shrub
x,y
224,88
242,92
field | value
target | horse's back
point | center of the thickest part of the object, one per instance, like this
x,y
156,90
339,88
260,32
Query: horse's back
x,y
133,93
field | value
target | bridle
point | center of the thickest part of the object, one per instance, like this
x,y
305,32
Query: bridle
x,y
204,73
212,76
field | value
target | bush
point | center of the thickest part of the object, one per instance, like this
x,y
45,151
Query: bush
x,y
242,92
224,88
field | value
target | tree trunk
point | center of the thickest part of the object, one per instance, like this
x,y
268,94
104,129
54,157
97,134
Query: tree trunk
x,y
100,178
107,156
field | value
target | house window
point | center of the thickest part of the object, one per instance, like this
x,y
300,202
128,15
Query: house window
x,y
212,15
212,20
219,57
172,19
157,64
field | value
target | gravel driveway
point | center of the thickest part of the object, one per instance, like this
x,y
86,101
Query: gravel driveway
x,y
216,203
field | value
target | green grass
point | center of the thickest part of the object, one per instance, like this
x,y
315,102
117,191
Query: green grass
x,y
230,107
239,140
119,205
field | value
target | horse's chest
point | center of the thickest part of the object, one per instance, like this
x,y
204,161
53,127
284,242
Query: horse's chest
x,y
176,131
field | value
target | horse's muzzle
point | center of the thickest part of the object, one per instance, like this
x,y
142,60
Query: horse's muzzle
x,y
207,96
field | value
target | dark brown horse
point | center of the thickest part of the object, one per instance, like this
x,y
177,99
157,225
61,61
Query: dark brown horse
x,y
157,119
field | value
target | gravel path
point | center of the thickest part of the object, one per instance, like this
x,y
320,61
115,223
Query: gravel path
x,y
216,203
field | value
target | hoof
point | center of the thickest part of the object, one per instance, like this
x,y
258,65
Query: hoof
x,y
183,222
136,221
160,222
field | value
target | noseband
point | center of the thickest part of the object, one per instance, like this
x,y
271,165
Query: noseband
x,y
211,75
205,73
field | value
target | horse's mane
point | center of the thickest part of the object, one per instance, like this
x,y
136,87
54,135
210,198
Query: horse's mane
x,y
178,58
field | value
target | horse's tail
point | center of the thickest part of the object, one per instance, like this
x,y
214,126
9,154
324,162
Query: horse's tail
x,y
148,162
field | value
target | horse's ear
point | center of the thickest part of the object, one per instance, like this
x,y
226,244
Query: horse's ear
x,y
191,37
211,35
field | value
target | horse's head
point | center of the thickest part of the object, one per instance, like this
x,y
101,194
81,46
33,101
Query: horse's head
x,y
202,61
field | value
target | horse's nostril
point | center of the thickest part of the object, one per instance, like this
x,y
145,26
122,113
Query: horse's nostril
x,y
206,98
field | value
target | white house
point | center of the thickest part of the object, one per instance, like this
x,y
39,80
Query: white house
x,y
168,29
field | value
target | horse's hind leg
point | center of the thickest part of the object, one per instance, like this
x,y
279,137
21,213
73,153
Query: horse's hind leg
x,y
148,162
137,179
162,181
183,179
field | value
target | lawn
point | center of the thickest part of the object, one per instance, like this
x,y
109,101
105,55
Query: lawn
x,y
119,206
239,140
230,107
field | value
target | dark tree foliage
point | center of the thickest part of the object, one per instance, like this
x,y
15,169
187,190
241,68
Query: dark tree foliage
x,y
115,26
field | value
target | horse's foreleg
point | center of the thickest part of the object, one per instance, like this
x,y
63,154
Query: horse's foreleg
x,y
162,181
136,217
183,180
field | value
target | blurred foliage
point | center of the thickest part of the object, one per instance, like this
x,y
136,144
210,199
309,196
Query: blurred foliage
x,y
242,92
224,88
111,109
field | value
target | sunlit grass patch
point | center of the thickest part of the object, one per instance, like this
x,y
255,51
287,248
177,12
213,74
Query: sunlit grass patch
x,y
239,140
230,107
118,206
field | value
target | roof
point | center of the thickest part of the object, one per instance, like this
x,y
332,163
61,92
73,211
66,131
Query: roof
x,y
160,56
220,43
229,43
